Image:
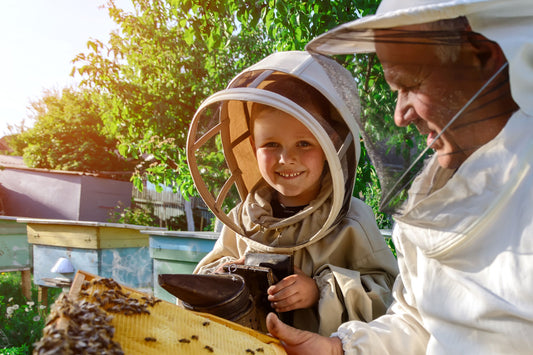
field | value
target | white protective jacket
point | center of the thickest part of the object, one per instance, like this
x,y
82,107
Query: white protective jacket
x,y
465,252
466,260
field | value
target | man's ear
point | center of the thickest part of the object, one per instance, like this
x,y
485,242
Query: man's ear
x,y
488,54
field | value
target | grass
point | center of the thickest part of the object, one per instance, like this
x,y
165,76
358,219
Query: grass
x,y
21,320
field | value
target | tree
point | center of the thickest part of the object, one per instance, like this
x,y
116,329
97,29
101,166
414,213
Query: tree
x,y
69,135
167,58
169,55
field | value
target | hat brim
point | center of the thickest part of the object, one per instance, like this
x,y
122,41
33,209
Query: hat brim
x,y
358,36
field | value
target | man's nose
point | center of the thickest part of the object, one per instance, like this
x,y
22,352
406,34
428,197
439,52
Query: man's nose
x,y
404,113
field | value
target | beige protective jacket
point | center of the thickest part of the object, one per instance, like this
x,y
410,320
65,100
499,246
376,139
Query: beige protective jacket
x,y
335,238
352,265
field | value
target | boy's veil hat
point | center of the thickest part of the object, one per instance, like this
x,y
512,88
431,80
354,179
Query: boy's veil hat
x,y
223,119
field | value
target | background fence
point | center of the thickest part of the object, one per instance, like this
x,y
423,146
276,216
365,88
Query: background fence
x,y
170,209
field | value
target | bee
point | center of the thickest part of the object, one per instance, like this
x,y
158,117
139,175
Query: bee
x,y
150,339
114,309
208,348
183,340
194,337
206,323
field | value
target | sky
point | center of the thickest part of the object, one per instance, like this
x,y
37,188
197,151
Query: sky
x,y
38,41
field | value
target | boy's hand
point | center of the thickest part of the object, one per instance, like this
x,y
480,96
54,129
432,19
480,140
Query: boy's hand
x,y
293,292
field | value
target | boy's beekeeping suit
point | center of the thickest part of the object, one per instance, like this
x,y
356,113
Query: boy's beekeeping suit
x,y
335,238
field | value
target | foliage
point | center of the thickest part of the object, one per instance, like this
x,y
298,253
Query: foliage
x,y
368,189
69,135
21,324
21,320
179,223
141,216
391,245
11,147
167,57
144,85
24,349
170,55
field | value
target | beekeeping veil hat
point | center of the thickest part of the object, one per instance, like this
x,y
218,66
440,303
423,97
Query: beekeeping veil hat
x,y
509,23
222,122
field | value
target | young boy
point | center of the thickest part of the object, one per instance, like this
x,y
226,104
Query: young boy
x,y
291,145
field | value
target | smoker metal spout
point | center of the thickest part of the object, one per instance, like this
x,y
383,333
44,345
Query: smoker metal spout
x,y
224,295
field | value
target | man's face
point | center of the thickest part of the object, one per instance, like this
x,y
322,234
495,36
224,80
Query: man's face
x,y
289,157
431,92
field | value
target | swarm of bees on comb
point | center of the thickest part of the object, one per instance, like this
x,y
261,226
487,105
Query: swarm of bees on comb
x,y
89,330
103,317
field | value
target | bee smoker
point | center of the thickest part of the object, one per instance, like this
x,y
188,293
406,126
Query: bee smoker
x,y
238,295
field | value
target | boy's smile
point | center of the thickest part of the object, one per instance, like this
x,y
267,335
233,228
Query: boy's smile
x,y
289,157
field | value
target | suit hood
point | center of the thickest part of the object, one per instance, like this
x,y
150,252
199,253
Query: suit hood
x,y
222,123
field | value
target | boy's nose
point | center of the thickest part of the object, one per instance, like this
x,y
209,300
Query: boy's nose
x,y
287,156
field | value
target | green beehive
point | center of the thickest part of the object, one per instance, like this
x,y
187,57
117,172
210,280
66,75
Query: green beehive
x,y
177,252
15,251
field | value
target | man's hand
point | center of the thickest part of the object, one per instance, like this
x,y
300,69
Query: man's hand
x,y
300,342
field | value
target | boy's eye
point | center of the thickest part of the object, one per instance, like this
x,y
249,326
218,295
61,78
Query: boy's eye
x,y
271,145
304,144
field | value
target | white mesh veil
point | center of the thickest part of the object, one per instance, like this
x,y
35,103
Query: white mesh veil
x,y
507,22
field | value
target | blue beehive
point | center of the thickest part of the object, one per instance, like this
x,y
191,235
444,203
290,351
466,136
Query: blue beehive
x,y
118,251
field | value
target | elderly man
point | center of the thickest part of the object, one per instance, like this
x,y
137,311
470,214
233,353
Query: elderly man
x,y
463,71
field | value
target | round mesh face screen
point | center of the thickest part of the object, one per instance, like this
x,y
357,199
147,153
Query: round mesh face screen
x,y
312,89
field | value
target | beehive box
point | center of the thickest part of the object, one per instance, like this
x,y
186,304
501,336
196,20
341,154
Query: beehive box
x,y
177,252
119,251
143,324
15,252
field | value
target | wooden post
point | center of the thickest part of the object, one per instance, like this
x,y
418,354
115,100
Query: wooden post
x,y
42,295
26,283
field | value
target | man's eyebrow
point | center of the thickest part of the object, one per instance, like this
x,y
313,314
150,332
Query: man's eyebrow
x,y
393,82
395,78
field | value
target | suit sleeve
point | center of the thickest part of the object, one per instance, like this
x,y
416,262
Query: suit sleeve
x,y
401,328
226,249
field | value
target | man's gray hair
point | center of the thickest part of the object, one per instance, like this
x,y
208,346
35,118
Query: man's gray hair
x,y
455,28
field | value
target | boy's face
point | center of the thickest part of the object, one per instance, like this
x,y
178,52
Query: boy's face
x,y
289,157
